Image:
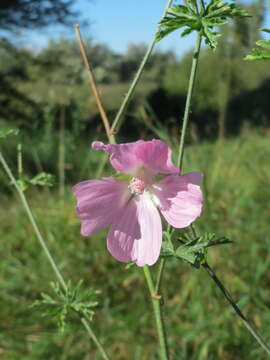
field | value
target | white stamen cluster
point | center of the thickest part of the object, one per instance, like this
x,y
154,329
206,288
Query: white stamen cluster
x,y
137,186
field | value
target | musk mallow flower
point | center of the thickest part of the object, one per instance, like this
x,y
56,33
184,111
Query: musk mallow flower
x,y
131,204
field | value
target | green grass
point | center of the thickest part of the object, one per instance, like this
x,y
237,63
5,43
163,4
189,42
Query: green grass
x,y
201,326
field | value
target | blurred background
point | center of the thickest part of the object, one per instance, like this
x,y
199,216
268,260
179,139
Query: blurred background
x,y
45,93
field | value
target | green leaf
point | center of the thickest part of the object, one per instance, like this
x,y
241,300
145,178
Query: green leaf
x,y
194,251
186,32
72,299
43,179
186,253
23,183
262,52
167,249
264,44
167,245
8,132
216,13
265,30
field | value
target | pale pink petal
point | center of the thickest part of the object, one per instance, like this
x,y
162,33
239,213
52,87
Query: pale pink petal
x,y
137,234
148,248
154,156
124,233
99,202
122,156
179,198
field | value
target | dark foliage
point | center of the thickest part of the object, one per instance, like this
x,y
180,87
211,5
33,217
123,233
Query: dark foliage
x,y
16,14
250,108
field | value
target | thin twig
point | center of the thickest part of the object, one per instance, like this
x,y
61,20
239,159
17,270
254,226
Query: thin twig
x,y
93,84
230,300
228,297
124,105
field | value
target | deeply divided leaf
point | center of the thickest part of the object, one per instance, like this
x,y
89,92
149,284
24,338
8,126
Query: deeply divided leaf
x,y
215,13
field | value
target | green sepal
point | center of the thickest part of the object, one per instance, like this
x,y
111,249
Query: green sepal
x,y
129,265
121,176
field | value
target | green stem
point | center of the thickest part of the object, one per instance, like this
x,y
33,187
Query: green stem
x,y
164,354
94,338
192,77
159,275
191,83
137,77
230,300
228,297
46,250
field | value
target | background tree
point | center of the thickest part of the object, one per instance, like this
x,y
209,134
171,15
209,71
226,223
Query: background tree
x,y
16,14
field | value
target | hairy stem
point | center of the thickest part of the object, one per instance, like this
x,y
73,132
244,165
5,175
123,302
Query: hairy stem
x,y
93,84
156,301
228,297
137,77
46,250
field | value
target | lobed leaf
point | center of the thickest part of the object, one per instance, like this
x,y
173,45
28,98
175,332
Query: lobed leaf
x,y
216,13
74,298
262,52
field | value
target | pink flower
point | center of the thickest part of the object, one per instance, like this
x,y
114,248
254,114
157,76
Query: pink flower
x,y
131,203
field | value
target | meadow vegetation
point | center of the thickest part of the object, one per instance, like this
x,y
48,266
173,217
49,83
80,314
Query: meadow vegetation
x,y
46,96
201,324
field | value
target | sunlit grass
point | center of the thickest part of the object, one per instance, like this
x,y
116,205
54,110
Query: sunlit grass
x,y
200,323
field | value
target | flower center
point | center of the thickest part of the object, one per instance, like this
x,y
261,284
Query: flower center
x,y
137,186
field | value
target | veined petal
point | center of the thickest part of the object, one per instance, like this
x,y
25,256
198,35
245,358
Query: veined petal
x,y
124,233
137,234
179,198
148,248
150,156
99,202
156,156
122,156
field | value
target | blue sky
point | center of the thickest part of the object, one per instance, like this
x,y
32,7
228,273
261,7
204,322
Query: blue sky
x,y
120,22
115,23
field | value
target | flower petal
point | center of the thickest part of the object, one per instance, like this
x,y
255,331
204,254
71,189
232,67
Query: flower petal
x,y
156,156
122,156
129,158
148,248
99,203
137,234
123,234
179,198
